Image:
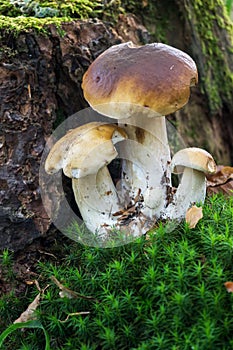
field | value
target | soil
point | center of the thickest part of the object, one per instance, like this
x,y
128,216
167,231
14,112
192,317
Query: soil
x,y
25,262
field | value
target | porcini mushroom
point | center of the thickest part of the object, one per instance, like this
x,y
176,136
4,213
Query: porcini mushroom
x,y
193,163
134,84
83,154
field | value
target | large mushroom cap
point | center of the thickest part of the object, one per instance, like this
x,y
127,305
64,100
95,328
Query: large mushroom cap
x,y
156,76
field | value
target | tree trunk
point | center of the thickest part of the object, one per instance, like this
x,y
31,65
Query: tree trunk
x,y
203,30
209,39
40,86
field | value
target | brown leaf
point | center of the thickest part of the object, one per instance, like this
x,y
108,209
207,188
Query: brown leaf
x,y
193,215
229,286
29,313
221,181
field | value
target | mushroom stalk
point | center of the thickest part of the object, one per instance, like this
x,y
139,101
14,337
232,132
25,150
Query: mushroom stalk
x,y
149,150
98,205
193,163
97,199
192,189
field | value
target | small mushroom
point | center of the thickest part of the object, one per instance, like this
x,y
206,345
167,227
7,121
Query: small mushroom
x,y
83,154
193,163
134,84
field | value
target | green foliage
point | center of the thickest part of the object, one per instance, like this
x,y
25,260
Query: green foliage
x,y
23,24
22,15
164,291
6,264
29,324
41,9
229,5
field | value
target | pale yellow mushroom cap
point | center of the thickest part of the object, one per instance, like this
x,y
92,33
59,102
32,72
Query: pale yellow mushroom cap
x,y
84,150
194,158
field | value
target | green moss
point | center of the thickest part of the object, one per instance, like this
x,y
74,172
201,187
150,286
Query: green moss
x,y
39,8
78,9
19,24
8,9
17,16
164,291
209,18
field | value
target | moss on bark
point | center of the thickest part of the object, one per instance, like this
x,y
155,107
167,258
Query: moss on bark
x,y
212,47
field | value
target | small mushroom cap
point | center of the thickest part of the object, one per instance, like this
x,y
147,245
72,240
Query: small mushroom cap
x,y
84,150
156,76
194,158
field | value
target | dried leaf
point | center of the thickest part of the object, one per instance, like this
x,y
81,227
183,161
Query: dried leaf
x,y
193,215
221,181
29,282
29,313
229,286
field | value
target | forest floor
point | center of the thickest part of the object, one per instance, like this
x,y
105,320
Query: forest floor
x,y
24,263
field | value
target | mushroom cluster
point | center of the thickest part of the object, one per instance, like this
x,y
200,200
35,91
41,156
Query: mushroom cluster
x,y
137,86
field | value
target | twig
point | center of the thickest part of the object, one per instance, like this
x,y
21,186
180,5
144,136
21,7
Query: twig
x,y
75,314
66,292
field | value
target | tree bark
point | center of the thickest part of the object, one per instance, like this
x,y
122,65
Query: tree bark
x,y
40,85
209,39
203,30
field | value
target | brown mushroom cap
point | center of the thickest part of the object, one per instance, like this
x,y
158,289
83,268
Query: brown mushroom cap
x,y
156,76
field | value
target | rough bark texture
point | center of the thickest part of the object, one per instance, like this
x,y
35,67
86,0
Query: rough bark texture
x,y
40,78
205,32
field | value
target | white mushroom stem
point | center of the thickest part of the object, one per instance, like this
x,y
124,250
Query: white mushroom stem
x,y
96,198
153,154
194,163
192,189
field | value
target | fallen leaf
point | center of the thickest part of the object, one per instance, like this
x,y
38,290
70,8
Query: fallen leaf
x,y
29,313
29,282
229,286
193,215
221,181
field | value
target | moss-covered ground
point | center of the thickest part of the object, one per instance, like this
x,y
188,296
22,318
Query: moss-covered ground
x,y
163,291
